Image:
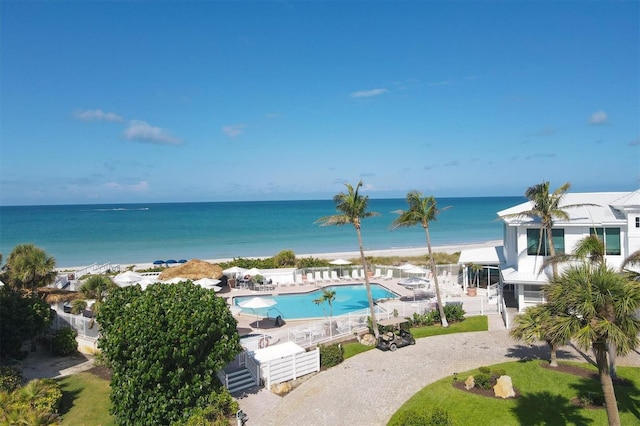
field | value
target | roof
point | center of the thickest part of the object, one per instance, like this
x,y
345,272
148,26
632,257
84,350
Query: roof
x,y
277,351
594,208
511,275
392,321
482,256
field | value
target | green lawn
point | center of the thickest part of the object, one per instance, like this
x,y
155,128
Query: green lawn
x,y
475,323
545,399
85,400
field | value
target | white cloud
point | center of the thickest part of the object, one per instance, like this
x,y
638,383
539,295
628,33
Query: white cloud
x,y
144,132
368,93
234,130
141,186
96,115
598,118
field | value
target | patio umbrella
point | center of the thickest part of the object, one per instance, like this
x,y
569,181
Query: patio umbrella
x,y
127,278
414,283
209,283
406,267
175,280
233,270
257,303
253,272
416,270
159,262
341,263
171,262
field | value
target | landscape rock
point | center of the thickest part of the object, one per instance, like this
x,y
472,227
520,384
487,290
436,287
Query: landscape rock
x,y
470,383
281,388
504,387
368,340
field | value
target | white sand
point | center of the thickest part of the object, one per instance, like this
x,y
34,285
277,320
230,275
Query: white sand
x,y
408,252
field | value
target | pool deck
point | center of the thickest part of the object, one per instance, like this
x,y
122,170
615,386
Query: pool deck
x,y
247,322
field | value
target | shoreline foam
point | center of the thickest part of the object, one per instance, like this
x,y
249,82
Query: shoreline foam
x,y
408,252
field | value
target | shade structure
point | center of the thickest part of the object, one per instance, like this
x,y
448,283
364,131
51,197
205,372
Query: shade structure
x,y
257,303
182,261
406,267
127,278
209,283
233,270
175,280
414,283
171,262
159,262
253,272
416,270
340,262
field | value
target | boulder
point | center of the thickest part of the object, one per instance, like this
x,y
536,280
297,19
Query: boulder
x,y
470,383
368,340
504,388
281,388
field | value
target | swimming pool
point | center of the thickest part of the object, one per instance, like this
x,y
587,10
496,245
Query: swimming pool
x,y
349,298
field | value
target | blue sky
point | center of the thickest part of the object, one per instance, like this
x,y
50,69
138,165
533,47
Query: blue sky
x,y
114,102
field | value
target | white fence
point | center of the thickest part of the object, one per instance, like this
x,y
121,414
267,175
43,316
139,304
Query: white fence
x,y
85,327
291,367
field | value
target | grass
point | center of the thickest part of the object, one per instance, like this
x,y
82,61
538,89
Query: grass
x,y
545,399
475,323
85,400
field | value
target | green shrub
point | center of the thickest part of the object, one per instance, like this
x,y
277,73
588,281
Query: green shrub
x,y
222,407
437,417
484,370
483,381
331,355
77,306
454,313
10,378
64,341
426,318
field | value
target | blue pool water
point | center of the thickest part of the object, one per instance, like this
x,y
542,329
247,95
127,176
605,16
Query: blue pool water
x,y
349,298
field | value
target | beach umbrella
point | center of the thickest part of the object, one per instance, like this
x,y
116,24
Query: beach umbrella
x,y
416,270
257,303
182,261
209,283
341,263
127,278
414,283
171,262
159,262
406,267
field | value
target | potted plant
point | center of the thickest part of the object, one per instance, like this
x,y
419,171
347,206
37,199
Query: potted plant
x,y
472,290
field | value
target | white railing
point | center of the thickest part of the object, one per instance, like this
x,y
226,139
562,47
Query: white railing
x,y
95,269
291,367
505,314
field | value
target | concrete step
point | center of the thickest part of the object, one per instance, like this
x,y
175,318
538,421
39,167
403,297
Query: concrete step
x,y
240,380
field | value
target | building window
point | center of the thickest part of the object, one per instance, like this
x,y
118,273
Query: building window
x,y
637,222
536,247
611,239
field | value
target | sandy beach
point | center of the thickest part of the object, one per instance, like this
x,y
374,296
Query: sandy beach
x,y
393,252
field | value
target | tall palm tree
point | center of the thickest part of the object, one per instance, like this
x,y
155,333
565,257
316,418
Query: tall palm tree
x,y
535,324
597,308
30,267
546,207
352,208
423,210
327,296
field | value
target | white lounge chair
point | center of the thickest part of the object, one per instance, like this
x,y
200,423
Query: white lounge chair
x,y
355,275
334,276
378,274
318,276
326,277
389,275
310,279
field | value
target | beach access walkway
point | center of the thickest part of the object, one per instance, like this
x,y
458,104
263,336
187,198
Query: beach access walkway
x,y
369,388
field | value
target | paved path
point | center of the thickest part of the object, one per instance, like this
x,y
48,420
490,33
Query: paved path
x,y
369,388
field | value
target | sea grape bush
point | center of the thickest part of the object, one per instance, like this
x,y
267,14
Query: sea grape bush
x,y
165,345
331,355
64,341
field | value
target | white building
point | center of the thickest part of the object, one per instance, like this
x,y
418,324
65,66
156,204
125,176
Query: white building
x,y
614,216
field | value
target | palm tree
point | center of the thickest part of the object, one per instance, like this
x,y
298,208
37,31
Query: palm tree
x,y
546,207
534,324
597,308
423,210
327,296
30,267
352,208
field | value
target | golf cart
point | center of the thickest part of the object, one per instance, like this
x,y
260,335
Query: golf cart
x,y
394,334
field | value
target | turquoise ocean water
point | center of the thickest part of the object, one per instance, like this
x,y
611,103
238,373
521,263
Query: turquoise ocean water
x,y
78,235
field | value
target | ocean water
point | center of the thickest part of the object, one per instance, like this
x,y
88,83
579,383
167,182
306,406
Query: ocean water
x,y
77,235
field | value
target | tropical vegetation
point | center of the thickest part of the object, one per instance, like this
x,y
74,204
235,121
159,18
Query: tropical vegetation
x,y
36,403
352,208
29,267
422,211
165,345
